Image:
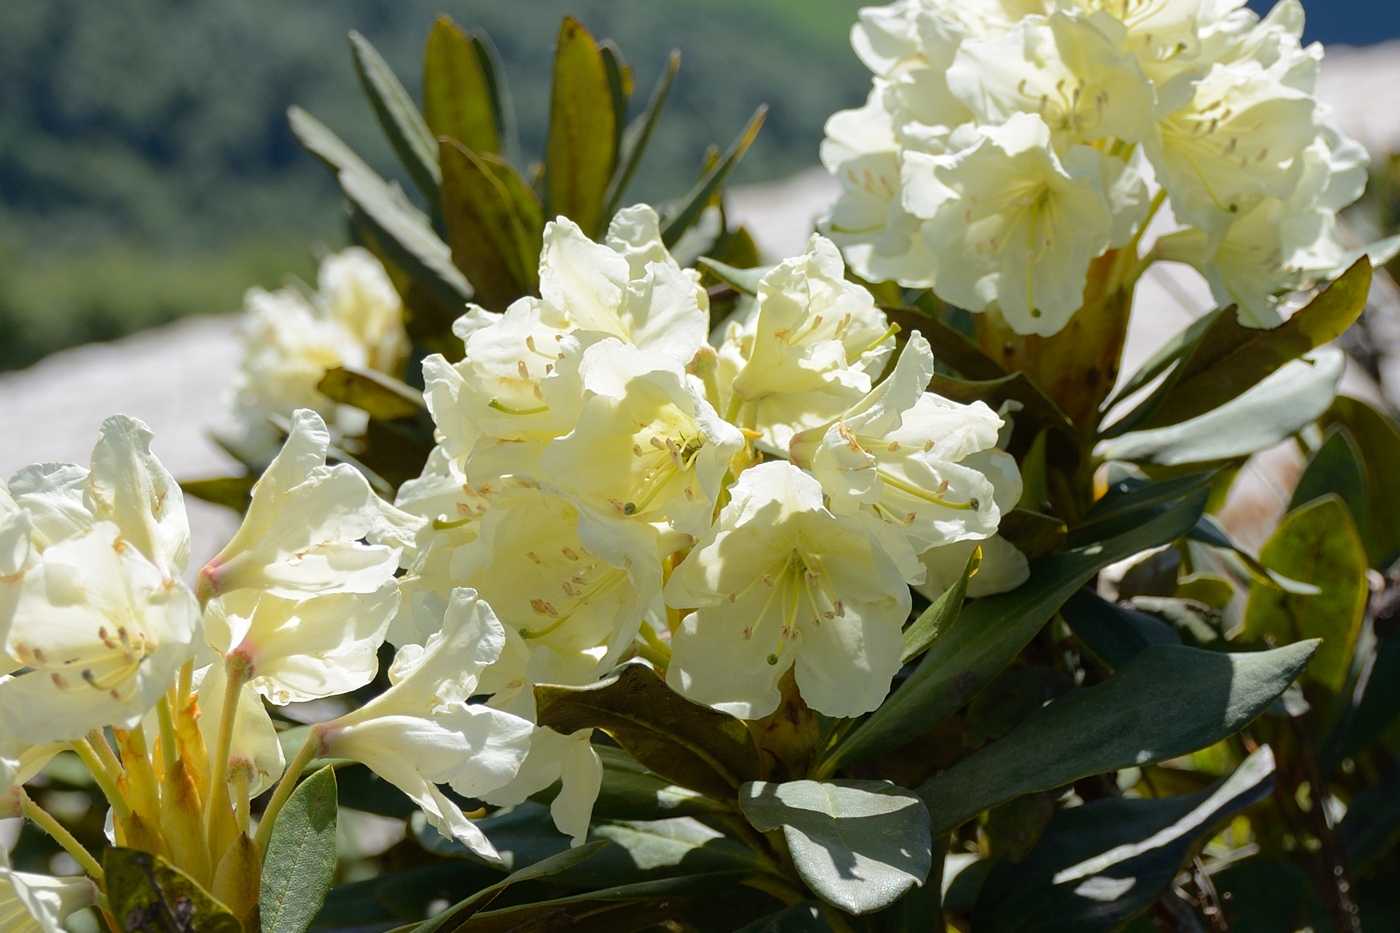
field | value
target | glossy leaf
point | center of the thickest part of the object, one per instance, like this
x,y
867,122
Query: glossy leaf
x,y
1336,469
1034,534
949,345
1378,443
317,139
993,630
687,743
1099,865
373,392
1115,634
934,621
232,492
1278,407
630,791
638,134
1229,358
581,150
1209,531
457,97
1037,408
146,892
620,87
1126,503
488,237
743,281
699,197
300,861
502,105
1167,701
1317,544
413,142
626,907
805,917
859,845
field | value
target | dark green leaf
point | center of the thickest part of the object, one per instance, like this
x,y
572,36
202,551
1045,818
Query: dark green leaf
x,y
1130,501
859,845
457,98
488,237
148,895
1378,443
1209,531
373,392
300,860
627,907
1380,700
1229,358
1099,865
687,743
1336,469
1038,410
233,492
1168,354
993,630
1278,407
501,103
413,142
404,235
1317,544
1114,633
1371,827
581,150
1034,534
630,791
949,345
939,617
744,281
699,197
1262,895
456,917
799,918
638,135
620,87
1014,695
317,139
1167,701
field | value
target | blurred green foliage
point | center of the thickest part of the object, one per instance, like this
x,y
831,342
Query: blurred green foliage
x,y
146,168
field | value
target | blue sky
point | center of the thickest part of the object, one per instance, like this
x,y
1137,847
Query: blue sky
x,y
1347,22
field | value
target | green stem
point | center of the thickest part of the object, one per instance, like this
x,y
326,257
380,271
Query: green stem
x,y
121,810
169,751
236,670
286,785
45,821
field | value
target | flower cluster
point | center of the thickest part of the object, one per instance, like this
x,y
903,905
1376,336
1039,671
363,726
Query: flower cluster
x,y
293,336
615,485
159,688
1007,144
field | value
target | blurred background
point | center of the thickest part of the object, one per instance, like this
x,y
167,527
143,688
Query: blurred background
x,y
147,173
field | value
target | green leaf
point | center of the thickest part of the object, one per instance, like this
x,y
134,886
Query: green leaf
x,y
581,150
489,239
1380,700
993,630
687,743
1099,865
699,197
1167,701
1115,634
1336,469
404,235
147,893
620,87
949,345
502,106
940,615
317,139
233,492
373,392
1229,358
1378,443
1317,544
1129,501
457,97
457,916
744,281
1034,534
859,845
300,860
1244,564
1371,827
805,917
626,907
413,142
1159,362
638,135
1037,409
1278,407
630,791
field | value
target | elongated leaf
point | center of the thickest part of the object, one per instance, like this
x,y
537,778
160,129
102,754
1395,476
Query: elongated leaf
x,y
232,492
699,197
530,212
1171,352
993,630
413,142
1167,701
859,845
1229,359
630,791
457,97
1209,531
487,235
1034,534
1378,442
1317,544
371,391
1100,865
1371,827
581,150
949,345
502,105
405,235
620,86
1037,410
627,907
687,743
1114,633
805,917
1126,503
940,615
744,281
148,893
1336,469
1380,700
456,917
1278,407
317,139
638,135
300,861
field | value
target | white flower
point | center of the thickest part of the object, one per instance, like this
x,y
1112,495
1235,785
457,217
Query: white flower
x,y
104,632
253,746
1003,568
569,759
421,732
31,903
781,582
302,533
921,462
1013,223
